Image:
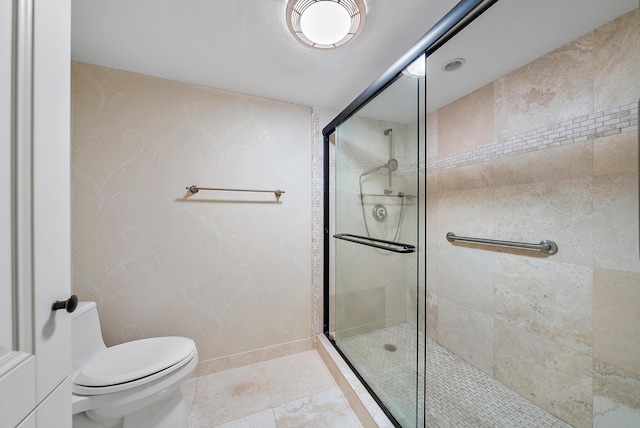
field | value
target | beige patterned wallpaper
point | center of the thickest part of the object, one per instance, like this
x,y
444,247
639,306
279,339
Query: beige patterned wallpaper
x,y
230,270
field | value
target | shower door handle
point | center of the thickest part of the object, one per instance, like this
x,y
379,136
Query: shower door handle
x,y
396,247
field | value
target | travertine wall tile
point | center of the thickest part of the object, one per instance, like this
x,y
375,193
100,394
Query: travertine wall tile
x,y
546,298
432,290
472,176
616,319
465,213
433,230
616,401
617,154
543,165
466,122
564,169
554,88
561,212
467,333
617,62
554,376
465,276
432,135
432,183
432,315
369,316
615,212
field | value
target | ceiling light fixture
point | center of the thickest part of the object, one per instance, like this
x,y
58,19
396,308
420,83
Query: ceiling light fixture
x,y
417,69
325,24
453,64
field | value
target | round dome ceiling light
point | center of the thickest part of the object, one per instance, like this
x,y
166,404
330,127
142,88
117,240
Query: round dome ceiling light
x,y
417,69
325,24
453,64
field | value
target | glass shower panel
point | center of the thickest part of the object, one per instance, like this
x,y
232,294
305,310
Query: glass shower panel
x,y
512,140
529,142
376,245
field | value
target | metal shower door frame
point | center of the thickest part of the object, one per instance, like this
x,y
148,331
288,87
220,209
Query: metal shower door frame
x,y
465,12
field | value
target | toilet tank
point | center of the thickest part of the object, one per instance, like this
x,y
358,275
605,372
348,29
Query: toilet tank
x,y
86,335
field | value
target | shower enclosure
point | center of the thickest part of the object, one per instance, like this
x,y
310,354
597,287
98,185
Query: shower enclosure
x,y
481,223
376,256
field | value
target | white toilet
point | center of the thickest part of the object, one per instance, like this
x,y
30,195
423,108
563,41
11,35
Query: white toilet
x,y
135,384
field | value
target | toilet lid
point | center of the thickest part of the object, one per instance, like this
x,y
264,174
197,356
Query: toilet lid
x,y
134,360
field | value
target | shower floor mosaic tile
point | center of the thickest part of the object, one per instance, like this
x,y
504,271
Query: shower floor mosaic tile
x,y
457,393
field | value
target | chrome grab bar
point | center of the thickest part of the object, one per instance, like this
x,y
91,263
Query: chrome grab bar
x,y
396,247
548,247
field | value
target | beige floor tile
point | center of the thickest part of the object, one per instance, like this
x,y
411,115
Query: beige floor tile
x,y
229,395
296,390
188,389
322,410
264,419
296,376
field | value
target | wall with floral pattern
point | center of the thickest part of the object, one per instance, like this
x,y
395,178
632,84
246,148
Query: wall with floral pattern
x,y
232,270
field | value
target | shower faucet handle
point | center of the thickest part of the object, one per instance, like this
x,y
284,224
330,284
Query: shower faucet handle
x,y
70,304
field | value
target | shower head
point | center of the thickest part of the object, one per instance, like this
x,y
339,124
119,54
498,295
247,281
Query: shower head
x,y
391,165
372,170
388,131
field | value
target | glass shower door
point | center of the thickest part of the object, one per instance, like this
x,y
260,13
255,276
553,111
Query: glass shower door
x,y
543,148
515,142
376,246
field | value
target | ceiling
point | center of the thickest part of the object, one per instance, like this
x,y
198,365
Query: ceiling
x,y
244,46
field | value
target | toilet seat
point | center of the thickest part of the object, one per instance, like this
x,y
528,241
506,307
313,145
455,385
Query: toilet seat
x,y
131,364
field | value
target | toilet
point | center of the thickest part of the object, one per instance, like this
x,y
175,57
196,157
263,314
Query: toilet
x,y
134,384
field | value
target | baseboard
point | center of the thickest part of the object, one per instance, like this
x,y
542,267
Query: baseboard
x,y
251,357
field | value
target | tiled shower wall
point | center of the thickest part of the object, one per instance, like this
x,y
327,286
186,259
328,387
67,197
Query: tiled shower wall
x,y
233,271
550,152
372,285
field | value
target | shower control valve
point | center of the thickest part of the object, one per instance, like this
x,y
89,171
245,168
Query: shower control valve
x,y
379,212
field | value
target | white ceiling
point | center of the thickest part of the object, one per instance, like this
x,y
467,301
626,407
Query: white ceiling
x,y
244,45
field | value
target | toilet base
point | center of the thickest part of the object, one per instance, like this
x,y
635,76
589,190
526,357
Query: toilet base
x,y
169,412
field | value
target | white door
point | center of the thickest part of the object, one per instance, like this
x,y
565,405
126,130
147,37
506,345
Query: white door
x,y
35,358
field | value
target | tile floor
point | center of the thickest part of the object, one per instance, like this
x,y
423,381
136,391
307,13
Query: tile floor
x,y
292,391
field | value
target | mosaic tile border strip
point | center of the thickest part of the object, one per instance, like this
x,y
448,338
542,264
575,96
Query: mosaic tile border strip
x,y
588,127
317,178
583,128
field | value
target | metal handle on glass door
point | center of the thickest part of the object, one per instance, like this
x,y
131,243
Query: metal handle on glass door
x,y
70,304
396,247
548,247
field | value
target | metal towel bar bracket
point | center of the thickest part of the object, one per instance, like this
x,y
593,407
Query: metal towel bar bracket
x,y
547,247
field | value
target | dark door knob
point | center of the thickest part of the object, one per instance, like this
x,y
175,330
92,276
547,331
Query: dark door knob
x,y
70,305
